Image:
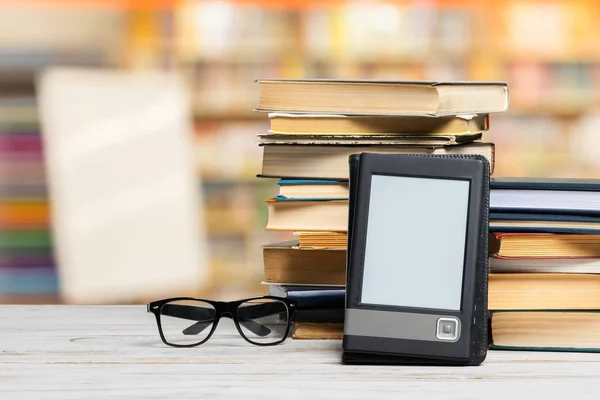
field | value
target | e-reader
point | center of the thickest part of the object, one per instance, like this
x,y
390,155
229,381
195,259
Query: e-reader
x,y
416,290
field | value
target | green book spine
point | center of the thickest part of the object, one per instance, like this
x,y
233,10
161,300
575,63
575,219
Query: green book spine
x,y
13,240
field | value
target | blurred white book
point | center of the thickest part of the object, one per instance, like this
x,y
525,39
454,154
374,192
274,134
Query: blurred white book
x,y
125,195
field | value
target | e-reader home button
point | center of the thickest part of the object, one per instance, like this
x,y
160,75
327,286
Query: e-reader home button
x,y
448,329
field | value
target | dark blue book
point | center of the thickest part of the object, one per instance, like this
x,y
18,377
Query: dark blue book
x,y
545,196
314,303
329,315
535,183
312,297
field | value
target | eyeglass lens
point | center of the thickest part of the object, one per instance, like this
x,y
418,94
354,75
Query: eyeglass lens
x,y
263,321
187,322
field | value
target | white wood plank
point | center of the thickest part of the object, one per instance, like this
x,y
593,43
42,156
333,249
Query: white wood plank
x,y
114,352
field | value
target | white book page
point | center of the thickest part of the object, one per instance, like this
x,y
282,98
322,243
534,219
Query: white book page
x,y
545,199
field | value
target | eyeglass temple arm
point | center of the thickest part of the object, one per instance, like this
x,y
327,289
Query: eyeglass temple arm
x,y
205,318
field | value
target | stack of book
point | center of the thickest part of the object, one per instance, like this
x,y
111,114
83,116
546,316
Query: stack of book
x,y
544,284
27,270
315,125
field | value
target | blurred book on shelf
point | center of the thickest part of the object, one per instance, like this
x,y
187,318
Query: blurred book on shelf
x,y
126,208
27,262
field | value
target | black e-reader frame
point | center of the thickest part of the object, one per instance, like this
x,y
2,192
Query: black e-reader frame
x,y
376,333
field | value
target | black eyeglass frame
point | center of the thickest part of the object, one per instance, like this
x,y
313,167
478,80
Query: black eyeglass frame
x,y
227,309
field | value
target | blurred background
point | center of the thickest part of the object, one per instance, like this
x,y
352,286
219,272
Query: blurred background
x,y
547,50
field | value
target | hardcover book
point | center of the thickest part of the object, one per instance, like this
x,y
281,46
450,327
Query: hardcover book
x,y
374,97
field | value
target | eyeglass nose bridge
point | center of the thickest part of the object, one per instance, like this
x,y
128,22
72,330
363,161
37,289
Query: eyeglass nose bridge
x,y
227,309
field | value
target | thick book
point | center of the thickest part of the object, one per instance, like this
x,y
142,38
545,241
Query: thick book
x,y
312,297
537,195
518,291
307,215
543,222
331,162
328,124
366,140
544,245
577,331
379,97
318,331
322,240
313,306
311,189
286,263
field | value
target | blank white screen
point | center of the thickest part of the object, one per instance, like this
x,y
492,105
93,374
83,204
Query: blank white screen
x,y
415,243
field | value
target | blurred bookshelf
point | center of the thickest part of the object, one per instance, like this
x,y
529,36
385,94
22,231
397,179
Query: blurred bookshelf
x,y
547,50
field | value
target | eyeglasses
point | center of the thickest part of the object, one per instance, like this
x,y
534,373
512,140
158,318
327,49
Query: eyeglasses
x,y
188,322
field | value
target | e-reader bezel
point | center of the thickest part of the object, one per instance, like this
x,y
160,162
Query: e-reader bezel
x,y
471,169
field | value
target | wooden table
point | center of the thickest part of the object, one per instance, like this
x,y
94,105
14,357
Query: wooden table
x,y
114,352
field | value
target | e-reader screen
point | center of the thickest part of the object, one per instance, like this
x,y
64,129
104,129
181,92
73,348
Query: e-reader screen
x,y
415,242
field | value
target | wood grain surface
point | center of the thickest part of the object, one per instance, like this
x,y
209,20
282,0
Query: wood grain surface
x,y
114,352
